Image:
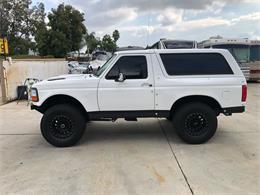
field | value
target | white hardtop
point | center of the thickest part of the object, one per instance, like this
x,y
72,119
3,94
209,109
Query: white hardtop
x,y
232,62
177,40
150,51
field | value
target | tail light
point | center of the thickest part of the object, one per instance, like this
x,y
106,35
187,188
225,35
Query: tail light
x,y
244,93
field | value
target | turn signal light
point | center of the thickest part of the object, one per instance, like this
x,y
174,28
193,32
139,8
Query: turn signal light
x,y
34,99
34,95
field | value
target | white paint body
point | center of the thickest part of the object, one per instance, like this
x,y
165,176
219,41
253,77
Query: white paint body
x,y
100,94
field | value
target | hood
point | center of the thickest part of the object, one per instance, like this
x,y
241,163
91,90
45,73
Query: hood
x,y
69,81
66,76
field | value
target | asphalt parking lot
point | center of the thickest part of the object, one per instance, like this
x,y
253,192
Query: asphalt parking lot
x,y
144,157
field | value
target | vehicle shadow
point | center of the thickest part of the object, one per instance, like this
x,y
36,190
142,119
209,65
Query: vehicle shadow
x,y
143,130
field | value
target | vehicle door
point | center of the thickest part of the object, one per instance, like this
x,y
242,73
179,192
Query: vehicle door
x,y
128,85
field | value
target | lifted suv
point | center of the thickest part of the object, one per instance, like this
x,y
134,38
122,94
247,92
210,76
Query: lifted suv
x,y
190,87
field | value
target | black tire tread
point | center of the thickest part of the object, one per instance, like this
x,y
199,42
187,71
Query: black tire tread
x,y
178,121
74,113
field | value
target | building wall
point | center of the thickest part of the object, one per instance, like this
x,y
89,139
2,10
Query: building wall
x,y
18,70
1,96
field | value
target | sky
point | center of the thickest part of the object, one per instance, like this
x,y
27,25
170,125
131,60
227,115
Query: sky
x,y
144,22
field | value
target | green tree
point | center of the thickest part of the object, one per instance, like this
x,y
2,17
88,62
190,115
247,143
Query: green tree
x,y
4,17
57,44
37,17
39,30
108,44
116,35
66,22
91,41
42,38
18,20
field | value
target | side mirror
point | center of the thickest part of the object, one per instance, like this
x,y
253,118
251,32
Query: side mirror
x,y
121,78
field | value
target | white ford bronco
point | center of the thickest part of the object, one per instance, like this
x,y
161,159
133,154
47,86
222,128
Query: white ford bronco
x,y
189,87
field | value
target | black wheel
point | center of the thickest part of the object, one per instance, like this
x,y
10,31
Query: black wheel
x,y
195,123
63,125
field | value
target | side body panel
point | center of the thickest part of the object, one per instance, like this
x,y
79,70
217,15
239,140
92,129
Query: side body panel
x,y
225,89
84,90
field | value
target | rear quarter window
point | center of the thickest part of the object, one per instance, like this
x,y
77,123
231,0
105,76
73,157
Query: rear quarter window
x,y
195,64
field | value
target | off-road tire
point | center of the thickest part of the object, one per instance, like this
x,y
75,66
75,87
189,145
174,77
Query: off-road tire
x,y
195,123
63,125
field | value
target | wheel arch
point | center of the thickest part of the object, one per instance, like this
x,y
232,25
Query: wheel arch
x,y
61,99
210,101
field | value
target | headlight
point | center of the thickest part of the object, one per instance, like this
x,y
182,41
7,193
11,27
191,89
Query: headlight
x,y
34,95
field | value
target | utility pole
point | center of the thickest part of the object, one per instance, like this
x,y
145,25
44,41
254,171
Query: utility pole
x,y
2,75
2,80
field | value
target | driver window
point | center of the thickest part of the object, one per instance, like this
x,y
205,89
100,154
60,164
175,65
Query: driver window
x,y
133,67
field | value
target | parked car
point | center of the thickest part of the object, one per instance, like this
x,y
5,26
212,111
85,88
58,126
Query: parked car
x,y
100,54
75,67
174,44
72,65
189,87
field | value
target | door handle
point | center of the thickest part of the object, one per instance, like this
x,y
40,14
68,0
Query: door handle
x,y
146,85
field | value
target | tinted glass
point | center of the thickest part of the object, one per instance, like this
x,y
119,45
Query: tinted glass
x,y
179,44
133,67
195,64
255,53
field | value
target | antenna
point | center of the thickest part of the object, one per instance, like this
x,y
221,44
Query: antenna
x,y
148,24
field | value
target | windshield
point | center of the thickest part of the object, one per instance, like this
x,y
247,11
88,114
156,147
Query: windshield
x,y
255,53
104,67
240,52
179,44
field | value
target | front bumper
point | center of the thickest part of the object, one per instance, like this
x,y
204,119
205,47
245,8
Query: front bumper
x,y
34,107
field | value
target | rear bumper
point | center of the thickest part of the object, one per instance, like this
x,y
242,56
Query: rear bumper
x,y
231,110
